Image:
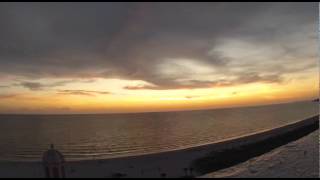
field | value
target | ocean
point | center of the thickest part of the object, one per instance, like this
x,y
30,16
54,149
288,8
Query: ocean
x,y
103,136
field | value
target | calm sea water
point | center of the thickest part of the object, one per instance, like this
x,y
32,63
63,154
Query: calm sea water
x,y
86,137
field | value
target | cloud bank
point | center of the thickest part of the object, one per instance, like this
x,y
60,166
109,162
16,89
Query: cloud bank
x,y
168,45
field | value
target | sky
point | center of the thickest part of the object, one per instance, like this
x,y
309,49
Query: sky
x,y
139,57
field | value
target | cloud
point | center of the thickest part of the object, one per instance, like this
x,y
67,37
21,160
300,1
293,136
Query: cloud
x,y
132,40
7,96
245,78
36,86
192,97
31,85
82,92
194,84
19,96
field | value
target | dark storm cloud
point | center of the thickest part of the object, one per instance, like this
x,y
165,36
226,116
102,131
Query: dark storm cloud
x,y
131,40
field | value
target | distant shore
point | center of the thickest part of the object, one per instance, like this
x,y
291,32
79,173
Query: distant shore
x,y
194,162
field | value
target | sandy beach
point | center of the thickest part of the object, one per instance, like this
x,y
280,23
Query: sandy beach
x,y
181,163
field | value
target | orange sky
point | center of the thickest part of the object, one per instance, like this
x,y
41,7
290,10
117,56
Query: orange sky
x,y
141,57
93,100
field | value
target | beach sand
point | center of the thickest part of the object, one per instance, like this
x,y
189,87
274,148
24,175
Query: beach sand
x,y
298,159
301,155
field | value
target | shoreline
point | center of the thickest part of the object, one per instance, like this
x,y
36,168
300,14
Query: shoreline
x,y
220,144
255,146
176,163
298,159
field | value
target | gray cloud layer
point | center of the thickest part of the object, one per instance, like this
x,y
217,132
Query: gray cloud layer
x,y
131,40
36,86
40,86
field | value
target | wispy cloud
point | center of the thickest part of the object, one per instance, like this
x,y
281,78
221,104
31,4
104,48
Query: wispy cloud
x,y
18,96
192,97
82,92
243,78
37,86
7,96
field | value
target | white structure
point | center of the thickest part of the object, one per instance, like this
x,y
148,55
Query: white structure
x,y
53,163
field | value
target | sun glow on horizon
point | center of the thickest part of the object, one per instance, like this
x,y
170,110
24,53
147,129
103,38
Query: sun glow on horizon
x,y
107,96
142,57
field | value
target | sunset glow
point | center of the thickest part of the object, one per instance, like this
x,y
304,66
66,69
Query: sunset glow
x,y
93,97
151,62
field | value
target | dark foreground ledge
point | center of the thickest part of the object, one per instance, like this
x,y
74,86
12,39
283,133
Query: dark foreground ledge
x,y
242,149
